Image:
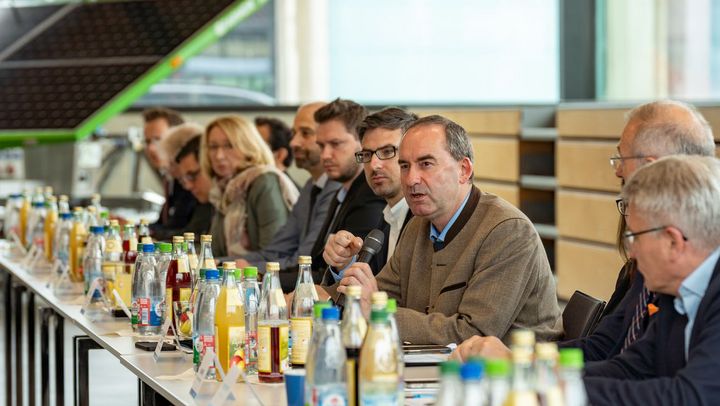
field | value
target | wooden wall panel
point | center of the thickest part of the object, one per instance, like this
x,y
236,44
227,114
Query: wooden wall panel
x,y
587,216
592,123
491,122
586,165
589,268
509,192
496,158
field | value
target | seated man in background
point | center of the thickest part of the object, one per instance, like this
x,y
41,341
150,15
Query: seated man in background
x,y
277,135
468,262
380,135
179,202
299,233
182,145
672,209
652,130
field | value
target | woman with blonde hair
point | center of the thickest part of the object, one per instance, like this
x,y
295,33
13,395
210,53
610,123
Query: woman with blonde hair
x,y
251,197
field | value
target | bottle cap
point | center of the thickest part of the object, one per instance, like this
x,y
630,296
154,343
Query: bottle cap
x,y
144,222
497,367
331,313
228,265
95,197
391,306
471,371
238,273
521,355
148,248
78,209
450,367
114,223
304,260
65,215
318,308
379,300
546,351
52,199
178,239
104,214
212,274
48,190
523,338
91,209
189,236
572,358
272,266
97,229
202,272
165,247
250,272
378,315
63,198
206,238
354,291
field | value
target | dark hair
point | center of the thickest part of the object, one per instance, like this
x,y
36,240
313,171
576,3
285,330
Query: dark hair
x,y
348,112
172,117
280,135
456,138
389,118
190,147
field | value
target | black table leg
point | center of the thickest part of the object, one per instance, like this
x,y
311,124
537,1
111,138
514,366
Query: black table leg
x,y
7,296
59,360
45,316
148,396
18,373
83,345
31,347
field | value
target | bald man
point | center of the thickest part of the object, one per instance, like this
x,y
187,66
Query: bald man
x,y
298,235
652,131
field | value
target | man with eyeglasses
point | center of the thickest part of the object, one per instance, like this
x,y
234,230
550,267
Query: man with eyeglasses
x,y
181,144
380,135
671,208
179,202
652,130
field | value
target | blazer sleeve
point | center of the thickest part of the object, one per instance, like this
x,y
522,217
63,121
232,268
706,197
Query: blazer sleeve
x,y
506,265
695,384
266,210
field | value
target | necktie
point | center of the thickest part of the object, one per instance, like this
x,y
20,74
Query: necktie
x,y
314,192
636,326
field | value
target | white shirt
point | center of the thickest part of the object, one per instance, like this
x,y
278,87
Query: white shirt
x,y
395,216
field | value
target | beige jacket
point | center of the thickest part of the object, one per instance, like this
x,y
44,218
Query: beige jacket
x,y
491,276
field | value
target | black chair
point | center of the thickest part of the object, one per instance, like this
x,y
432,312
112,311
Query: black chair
x,y
581,314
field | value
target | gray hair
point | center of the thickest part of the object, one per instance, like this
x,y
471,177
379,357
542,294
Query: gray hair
x,y
681,191
660,134
456,138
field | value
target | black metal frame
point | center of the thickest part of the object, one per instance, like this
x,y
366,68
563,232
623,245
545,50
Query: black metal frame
x,y
81,350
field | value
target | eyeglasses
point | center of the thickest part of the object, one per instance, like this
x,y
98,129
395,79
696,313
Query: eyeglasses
x,y
617,160
190,177
383,153
630,236
621,206
215,147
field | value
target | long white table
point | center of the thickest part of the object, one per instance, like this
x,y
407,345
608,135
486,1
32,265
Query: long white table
x,y
157,378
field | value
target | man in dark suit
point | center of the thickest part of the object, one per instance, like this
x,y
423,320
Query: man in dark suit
x,y
380,135
671,213
355,207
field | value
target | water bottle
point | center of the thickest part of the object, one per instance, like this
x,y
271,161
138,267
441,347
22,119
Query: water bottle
x,y
148,294
354,328
451,387
192,256
204,334
473,389
547,382
36,226
63,204
61,243
571,366
498,373
301,313
391,308
325,376
252,302
194,302
12,215
164,257
379,369
92,264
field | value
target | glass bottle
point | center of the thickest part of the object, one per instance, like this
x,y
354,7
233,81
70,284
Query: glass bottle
x,y
51,218
302,312
192,256
230,321
379,371
251,291
178,284
547,382
354,328
113,266
273,329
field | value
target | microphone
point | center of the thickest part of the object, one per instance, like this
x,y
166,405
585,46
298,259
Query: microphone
x,y
371,245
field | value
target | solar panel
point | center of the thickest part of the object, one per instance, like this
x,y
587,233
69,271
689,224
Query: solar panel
x,y
60,66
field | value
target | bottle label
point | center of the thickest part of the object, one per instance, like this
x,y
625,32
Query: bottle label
x,y
185,294
209,263
169,302
329,395
300,331
265,349
144,311
133,244
202,343
236,347
113,246
135,313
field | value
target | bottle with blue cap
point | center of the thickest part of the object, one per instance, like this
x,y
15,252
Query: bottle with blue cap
x,y
204,334
143,282
61,243
474,392
92,262
572,362
325,375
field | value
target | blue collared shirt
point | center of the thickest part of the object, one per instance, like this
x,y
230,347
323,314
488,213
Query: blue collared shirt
x,y
692,290
436,236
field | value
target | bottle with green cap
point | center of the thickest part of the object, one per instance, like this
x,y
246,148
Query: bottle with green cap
x,y
317,331
498,377
391,308
451,387
163,259
571,366
379,369
252,302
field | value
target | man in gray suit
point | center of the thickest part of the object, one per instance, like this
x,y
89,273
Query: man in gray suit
x,y
299,233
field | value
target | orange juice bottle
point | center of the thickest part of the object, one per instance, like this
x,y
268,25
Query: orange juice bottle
x,y
24,216
77,241
50,220
230,322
